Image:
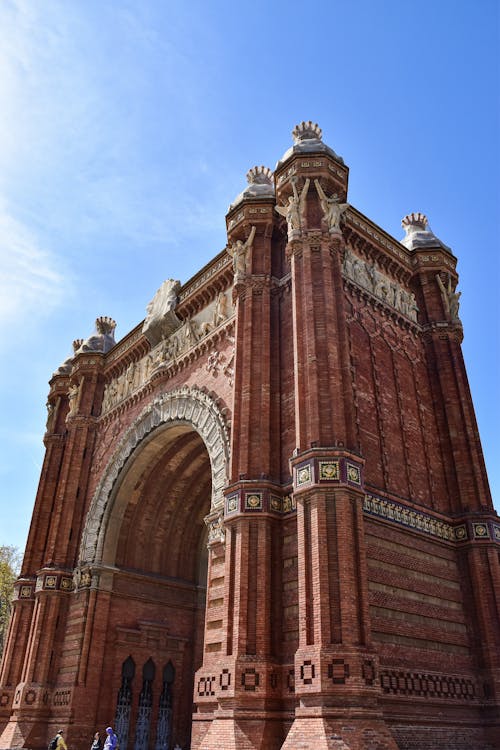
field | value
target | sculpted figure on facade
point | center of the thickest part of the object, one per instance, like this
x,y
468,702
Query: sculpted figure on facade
x,y
190,334
51,409
110,395
147,365
238,251
450,298
204,328
166,351
294,211
161,319
331,207
348,264
220,311
412,308
373,275
73,398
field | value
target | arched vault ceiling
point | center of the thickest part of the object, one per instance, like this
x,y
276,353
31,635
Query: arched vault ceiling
x,y
161,504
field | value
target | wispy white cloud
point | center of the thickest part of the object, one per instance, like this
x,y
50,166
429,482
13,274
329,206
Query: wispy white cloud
x,y
103,144
32,282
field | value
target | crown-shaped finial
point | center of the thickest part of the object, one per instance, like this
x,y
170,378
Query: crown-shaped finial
x,y
105,325
77,344
260,176
414,220
418,233
307,131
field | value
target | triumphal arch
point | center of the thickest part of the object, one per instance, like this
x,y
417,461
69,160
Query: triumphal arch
x,y
263,519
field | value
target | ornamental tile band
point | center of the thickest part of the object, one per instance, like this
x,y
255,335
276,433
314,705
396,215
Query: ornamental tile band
x,y
427,524
400,514
243,501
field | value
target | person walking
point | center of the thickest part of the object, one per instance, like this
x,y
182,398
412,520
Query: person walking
x,y
61,744
111,741
96,743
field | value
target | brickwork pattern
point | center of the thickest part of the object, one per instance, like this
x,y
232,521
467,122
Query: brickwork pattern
x,y
287,502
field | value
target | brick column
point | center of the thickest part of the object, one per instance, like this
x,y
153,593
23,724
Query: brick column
x,y
335,664
47,572
16,647
237,684
469,495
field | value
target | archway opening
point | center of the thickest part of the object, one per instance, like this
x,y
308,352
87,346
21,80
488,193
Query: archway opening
x,y
156,546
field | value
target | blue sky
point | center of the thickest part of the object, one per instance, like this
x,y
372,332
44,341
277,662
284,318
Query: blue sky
x,y
127,128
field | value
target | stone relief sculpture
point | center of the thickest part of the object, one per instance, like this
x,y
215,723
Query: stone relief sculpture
x,y
161,319
450,298
332,208
294,211
369,277
169,347
238,251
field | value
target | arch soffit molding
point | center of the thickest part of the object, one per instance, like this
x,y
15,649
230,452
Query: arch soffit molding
x,y
184,405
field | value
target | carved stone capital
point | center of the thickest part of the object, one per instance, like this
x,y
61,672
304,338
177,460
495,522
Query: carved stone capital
x,y
216,530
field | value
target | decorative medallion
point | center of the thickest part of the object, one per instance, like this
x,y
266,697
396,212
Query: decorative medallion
x,y
50,582
276,504
303,475
253,500
353,474
25,592
329,470
460,533
288,503
481,531
232,504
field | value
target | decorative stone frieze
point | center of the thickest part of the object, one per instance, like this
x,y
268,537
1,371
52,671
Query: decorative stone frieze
x,y
170,350
378,284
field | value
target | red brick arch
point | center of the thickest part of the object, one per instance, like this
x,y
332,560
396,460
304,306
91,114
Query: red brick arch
x,y
185,406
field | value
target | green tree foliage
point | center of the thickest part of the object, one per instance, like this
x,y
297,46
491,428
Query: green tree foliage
x,y
10,560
